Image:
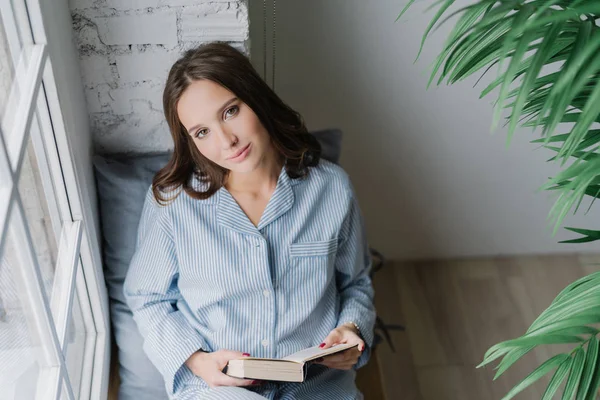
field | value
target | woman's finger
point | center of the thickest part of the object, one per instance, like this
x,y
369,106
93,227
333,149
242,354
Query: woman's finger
x,y
226,380
334,358
346,365
353,354
335,336
361,346
329,361
344,356
226,355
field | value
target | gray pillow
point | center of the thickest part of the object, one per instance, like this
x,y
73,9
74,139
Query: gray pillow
x,y
331,144
122,182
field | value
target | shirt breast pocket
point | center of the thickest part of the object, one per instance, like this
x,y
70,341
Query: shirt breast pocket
x,y
313,249
309,260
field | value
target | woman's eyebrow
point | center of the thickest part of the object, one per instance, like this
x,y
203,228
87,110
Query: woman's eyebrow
x,y
228,102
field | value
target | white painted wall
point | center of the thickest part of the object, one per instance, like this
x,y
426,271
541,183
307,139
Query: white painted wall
x,y
432,181
126,48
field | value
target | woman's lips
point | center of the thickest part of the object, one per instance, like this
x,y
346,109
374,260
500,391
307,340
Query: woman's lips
x,y
241,155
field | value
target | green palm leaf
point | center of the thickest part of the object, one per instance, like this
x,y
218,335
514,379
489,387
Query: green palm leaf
x,y
541,57
510,358
559,376
589,368
589,235
566,320
537,374
579,286
531,35
575,374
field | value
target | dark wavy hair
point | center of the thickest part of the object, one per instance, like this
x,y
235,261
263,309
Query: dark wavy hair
x,y
223,64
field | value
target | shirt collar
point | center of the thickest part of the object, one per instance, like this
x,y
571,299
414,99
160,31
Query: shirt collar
x,y
232,216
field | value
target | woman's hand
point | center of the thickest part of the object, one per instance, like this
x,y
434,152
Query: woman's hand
x,y
346,359
209,366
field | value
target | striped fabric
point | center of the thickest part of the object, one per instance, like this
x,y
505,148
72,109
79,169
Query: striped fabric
x,y
204,277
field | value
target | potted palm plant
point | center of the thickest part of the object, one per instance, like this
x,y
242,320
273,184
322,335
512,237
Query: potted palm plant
x,y
520,38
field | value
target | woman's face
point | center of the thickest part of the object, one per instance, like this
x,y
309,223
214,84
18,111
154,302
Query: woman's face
x,y
224,129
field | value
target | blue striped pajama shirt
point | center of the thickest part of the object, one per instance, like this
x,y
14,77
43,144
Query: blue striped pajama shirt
x,y
204,277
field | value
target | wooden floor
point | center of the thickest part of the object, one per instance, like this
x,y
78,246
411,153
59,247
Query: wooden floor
x,y
454,311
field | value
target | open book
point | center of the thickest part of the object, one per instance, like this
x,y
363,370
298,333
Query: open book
x,y
290,368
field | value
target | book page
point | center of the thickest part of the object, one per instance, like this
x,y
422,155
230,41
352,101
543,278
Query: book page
x,y
315,352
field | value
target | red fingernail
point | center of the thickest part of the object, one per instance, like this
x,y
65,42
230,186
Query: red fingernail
x,y
256,382
322,345
246,355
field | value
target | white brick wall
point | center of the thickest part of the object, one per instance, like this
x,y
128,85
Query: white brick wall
x,y
126,49
97,70
142,67
197,24
160,27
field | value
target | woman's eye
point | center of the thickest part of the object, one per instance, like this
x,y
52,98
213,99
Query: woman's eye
x,y
201,133
230,112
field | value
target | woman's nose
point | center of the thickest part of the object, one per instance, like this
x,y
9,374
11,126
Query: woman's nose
x,y
228,139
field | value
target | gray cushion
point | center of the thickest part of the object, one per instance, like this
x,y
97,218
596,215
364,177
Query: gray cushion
x,y
331,144
122,183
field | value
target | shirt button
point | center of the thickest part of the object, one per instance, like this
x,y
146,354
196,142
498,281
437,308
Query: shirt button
x,y
265,342
266,293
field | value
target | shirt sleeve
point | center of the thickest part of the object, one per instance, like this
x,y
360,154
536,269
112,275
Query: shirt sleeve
x,y
353,264
152,293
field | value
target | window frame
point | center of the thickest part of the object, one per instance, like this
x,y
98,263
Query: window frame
x,y
46,116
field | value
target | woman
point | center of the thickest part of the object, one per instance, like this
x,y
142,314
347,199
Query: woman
x,y
249,243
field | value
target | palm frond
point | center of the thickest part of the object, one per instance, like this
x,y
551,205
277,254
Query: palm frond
x,y
521,38
569,319
588,235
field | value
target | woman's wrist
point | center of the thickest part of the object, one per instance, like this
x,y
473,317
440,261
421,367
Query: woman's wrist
x,y
352,325
194,358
